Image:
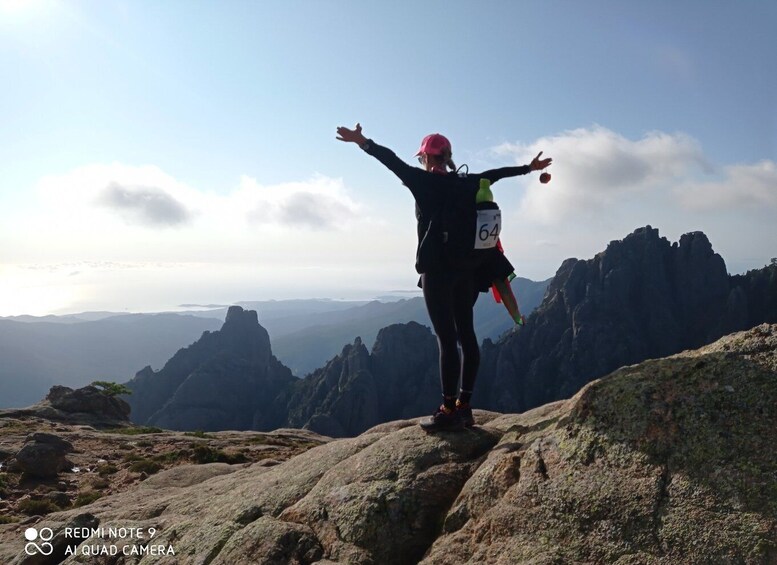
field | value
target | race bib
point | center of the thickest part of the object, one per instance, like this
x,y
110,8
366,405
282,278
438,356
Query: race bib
x,y
488,227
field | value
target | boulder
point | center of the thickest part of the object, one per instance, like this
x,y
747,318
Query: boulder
x,y
43,455
61,499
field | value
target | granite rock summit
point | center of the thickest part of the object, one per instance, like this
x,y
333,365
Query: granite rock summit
x,y
668,461
87,405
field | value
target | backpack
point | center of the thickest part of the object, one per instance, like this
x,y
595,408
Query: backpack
x,y
457,230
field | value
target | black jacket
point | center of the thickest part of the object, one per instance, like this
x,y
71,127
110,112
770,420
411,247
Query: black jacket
x,y
428,188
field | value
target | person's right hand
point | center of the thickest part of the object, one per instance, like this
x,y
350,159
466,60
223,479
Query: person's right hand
x,y
351,135
538,164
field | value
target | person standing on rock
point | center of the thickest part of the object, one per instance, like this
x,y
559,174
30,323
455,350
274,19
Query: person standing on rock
x,y
449,290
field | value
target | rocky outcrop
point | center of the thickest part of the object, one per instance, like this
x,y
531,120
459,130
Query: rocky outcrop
x,y
670,461
639,299
664,462
226,380
87,405
89,400
61,466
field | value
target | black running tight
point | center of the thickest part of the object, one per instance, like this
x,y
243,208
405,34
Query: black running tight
x,y
450,298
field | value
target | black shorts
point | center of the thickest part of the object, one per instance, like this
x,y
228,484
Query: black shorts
x,y
488,265
492,265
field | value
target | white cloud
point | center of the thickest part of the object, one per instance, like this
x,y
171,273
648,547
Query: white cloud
x,y
596,168
320,203
293,239
94,195
310,237
605,185
747,187
308,222
146,197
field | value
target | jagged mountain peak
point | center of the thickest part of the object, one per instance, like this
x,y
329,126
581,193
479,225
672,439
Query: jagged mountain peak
x,y
642,297
359,389
225,380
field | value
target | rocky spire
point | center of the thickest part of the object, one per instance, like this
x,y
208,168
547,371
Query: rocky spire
x,y
218,382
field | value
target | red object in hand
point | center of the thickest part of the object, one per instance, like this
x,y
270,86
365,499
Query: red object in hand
x,y
545,178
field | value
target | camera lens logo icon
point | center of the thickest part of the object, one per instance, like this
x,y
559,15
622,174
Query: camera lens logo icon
x,y
45,535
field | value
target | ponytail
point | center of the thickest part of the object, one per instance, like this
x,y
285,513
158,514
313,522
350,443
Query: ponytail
x,y
448,160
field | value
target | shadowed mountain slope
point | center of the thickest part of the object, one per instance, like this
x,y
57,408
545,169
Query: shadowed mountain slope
x,y
225,380
641,298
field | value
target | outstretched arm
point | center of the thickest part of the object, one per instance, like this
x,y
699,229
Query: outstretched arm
x,y
537,164
405,172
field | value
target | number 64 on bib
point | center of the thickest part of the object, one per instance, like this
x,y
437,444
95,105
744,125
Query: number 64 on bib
x,y
488,227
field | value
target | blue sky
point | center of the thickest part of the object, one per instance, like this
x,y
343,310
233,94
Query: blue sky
x,y
159,153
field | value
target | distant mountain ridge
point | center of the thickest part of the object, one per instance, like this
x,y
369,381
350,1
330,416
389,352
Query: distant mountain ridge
x,y
640,298
307,349
37,355
75,350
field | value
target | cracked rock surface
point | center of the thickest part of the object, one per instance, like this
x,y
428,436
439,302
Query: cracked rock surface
x,y
669,461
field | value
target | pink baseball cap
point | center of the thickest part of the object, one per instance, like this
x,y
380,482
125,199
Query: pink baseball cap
x,y
434,144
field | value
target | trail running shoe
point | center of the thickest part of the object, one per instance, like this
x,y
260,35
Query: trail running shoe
x,y
466,414
443,420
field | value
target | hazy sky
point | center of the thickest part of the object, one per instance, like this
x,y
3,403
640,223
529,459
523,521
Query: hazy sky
x,y
169,152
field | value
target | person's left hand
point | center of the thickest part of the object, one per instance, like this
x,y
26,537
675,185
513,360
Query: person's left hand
x,y
538,164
